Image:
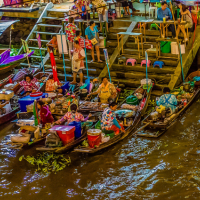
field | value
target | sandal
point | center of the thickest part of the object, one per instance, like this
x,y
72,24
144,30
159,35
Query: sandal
x,y
73,83
92,61
100,61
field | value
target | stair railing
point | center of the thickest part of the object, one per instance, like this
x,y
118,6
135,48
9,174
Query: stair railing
x,y
44,14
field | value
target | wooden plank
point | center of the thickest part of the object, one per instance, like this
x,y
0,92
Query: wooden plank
x,y
116,51
187,60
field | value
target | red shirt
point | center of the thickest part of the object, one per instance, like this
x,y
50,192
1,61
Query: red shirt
x,y
45,115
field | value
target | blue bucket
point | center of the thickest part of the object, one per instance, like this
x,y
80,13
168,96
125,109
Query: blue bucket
x,y
65,87
87,81
77,128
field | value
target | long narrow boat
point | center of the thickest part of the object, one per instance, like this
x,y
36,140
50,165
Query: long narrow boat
x,y
7,117
8,62
66,147
117,138
155,128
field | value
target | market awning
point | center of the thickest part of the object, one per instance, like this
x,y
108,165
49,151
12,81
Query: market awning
x,y
4,24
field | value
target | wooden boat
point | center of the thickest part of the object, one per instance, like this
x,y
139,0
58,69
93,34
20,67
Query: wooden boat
x,y
9,116
27,145
8,62
67,147
121,135
18,89
155,129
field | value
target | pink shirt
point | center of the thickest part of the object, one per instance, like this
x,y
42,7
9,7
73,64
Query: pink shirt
x,y
28,87
70,117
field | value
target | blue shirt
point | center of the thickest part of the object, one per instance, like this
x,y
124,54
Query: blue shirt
x,y
162,13
169,101
91,34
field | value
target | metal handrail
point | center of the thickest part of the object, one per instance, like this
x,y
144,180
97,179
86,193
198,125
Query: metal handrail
x,y
44,14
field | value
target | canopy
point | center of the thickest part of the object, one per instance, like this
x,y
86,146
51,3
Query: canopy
x,y
4,24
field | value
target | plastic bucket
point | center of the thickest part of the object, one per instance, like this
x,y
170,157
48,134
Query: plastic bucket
x,y
165,47
94,140
77,131
94,137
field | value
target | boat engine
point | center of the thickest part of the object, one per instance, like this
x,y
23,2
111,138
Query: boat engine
x,y
52,140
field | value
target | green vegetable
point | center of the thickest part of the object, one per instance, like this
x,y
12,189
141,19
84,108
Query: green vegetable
x,y
47,162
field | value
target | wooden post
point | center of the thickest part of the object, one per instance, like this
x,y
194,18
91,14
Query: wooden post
x,y
122,44
142,44
138,45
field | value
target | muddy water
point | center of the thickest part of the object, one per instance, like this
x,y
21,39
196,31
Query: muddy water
x,y
136,168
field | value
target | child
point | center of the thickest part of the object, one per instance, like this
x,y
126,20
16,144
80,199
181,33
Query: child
x,y
78,35
53,45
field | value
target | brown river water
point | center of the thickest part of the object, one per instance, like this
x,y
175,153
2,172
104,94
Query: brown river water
x,y
136,168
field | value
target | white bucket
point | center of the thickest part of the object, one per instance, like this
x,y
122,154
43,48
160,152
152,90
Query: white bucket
x,y
144,82
175,50
101,42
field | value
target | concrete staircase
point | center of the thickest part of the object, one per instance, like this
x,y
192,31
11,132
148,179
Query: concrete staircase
x,y
51,24
130,76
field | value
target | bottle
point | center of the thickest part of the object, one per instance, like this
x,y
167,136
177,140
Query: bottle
x,y
143,103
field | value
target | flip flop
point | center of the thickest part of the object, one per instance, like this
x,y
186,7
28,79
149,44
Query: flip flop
x,y
100,61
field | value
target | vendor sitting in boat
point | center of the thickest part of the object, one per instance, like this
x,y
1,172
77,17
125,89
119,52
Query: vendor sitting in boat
x,y
109,121
29,84
51,85
168,100
46,118
73,115
106,91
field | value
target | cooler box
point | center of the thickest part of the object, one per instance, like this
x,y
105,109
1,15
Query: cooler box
x,y
66,133
29,100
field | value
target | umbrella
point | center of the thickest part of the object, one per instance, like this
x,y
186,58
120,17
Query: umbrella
x,y
54,68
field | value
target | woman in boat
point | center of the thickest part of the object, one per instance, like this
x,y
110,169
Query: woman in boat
x,y
51,85
168,100
29,84
106,91
44,113
109,121
73,115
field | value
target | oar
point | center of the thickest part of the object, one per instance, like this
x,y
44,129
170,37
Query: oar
x,y
106,57
146,56
181,63
87,81
39,45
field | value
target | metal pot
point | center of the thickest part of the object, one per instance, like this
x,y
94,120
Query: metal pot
x,y
47,100
186,87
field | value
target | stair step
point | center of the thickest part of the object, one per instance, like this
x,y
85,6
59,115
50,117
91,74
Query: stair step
x,y
138,68
53,18
139,75
32,65
50,25
117,29
35,40
39,57
167,62
68,69
36,48
45,33
70,77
